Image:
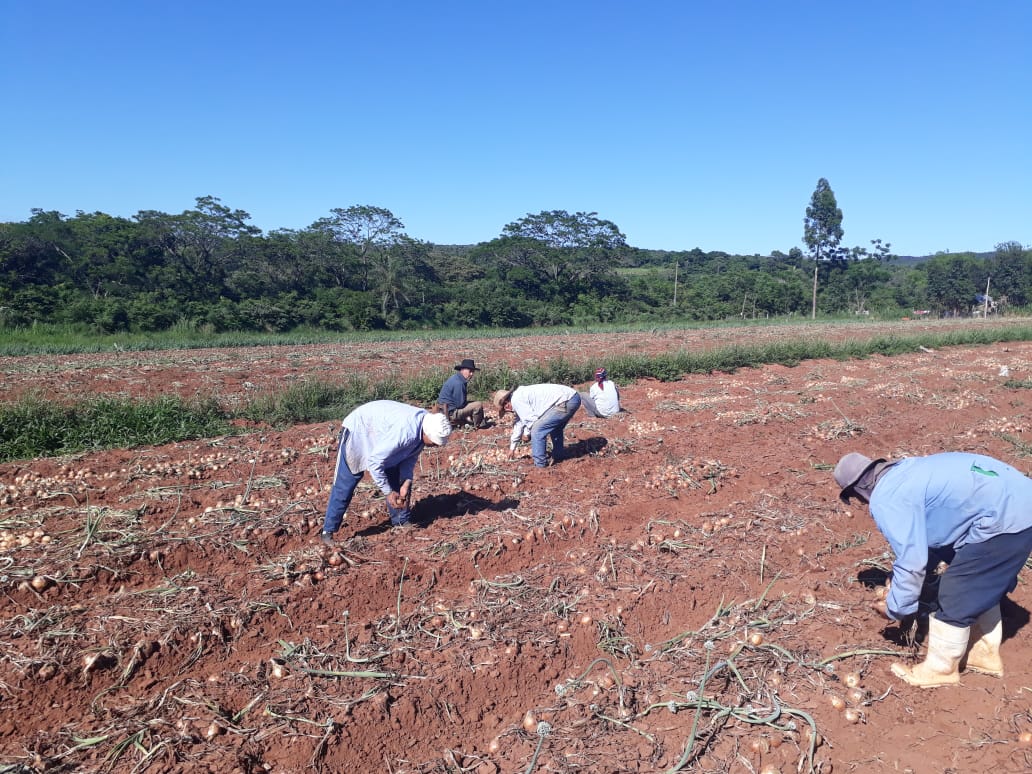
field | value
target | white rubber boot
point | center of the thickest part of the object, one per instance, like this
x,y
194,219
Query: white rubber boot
x,y
984,653
946,647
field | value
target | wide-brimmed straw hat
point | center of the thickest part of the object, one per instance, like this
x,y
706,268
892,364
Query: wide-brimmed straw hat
x,y
499,398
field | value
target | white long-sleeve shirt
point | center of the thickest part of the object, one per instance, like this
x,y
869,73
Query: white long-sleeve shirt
x,y
606,397
384,433
530,402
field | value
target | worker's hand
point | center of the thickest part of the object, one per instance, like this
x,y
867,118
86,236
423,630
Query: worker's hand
x,y
512,454
882,610
395,500
405,493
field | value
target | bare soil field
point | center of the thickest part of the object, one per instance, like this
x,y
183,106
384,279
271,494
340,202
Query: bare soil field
x,y
684,593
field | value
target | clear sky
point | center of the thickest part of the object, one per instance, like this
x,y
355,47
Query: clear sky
x,y
688,124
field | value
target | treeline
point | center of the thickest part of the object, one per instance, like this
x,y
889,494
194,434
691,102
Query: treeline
x,y
209,269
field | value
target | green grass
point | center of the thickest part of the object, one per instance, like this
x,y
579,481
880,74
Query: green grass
x,y
32,427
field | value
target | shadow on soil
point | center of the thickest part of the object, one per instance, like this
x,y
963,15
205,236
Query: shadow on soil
x,y
585,447
446,506
913,631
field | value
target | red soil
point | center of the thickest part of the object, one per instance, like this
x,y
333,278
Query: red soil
x,y
187,620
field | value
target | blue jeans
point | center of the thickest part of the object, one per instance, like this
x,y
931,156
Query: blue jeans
x,y
551,425
344,484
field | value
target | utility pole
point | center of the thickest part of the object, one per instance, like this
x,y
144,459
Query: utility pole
x,y
676,264
985,309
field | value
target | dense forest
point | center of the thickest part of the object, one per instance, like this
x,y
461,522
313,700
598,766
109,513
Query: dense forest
x,y
208,269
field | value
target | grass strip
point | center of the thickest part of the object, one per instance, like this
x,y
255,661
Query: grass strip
x,y
33,427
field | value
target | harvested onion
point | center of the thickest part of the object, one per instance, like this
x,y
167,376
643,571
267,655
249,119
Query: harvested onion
x,y
530,722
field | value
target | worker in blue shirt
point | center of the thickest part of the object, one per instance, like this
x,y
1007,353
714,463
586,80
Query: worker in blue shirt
x,y
973,513
453,400
385,438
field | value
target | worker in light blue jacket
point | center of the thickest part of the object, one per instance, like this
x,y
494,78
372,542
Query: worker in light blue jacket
x,y
970,511
385,438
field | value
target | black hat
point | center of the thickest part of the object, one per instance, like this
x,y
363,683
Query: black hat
x,y
467,363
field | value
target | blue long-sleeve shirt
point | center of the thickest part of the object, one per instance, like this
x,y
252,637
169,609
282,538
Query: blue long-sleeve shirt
x,y
384,434
453,393
949,499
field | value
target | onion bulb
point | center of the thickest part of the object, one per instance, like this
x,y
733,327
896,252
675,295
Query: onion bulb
x,y
857,695
530,722
1025,738
755,639
837,702
852,679
851,715
494,746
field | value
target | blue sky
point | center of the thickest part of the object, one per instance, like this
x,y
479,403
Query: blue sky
x,y
687,124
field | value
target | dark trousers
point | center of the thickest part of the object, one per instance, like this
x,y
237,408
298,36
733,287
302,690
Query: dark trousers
x,y
978,577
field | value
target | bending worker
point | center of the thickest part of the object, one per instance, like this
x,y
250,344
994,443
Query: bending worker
x,y
542,412
386,438
970,511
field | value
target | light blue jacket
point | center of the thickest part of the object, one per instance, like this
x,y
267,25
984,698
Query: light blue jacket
x,y
949,499
384,434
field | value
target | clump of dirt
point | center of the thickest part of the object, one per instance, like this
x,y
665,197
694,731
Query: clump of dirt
x,y
685,592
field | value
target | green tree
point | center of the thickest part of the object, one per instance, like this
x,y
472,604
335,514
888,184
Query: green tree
x,y
566,255
954,280
204,245
370,232
1011,270
822,231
